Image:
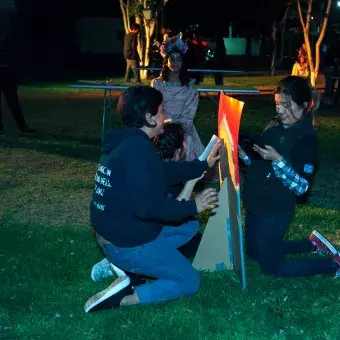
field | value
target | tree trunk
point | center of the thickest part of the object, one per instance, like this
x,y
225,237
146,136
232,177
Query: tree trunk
x,y
149,28
140,46
126,16
321,37
144,42
144,37
283,34
274,49
313,67
313,77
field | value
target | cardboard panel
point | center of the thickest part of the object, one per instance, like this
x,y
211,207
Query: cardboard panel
x,y
222,242
214,250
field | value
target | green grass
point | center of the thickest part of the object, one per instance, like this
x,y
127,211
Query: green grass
x,y
47,249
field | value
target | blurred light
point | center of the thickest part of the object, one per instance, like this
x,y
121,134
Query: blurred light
x,y
147,13
338,3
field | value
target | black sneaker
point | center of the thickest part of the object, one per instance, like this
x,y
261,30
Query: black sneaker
x,y
111,296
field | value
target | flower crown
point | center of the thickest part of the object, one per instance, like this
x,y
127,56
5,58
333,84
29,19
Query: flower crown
x,y
173,44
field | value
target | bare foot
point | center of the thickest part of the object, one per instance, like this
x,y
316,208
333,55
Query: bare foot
x,y
130,300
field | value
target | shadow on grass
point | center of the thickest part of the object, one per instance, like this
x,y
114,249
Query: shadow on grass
x,y
84,148
81,140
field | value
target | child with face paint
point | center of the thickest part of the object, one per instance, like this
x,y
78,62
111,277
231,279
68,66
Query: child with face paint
x,y
282,172
180,98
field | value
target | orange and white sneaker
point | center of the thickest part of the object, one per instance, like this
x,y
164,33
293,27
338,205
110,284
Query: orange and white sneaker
x,y
336,259
323,246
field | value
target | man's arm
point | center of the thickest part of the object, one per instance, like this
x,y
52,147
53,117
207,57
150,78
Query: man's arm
x,y
179,172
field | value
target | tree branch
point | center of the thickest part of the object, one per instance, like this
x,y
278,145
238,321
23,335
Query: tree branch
x,y
285,15
125,14
309,14
322,35
300,15
128,14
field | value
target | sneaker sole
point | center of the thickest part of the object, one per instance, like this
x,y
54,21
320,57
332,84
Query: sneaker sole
x,y
328,244
115,287
116,271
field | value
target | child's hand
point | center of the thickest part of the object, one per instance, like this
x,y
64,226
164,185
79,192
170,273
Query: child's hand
x,y
269,153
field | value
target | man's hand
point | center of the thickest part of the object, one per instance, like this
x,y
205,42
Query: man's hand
x,y
214,154
269,153
206,200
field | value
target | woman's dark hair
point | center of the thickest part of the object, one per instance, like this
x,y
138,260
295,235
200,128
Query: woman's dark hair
x,y
135,102
299,90
183,74
169,141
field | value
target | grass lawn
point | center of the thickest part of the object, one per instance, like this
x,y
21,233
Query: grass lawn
x,y
47,248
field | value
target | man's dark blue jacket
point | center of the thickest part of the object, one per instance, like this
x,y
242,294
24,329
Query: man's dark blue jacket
x,y
130,201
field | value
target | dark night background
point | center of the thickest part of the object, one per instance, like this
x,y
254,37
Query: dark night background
x,y
46,38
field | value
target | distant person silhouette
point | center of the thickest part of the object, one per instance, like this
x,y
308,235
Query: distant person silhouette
x,y
9,86
131,53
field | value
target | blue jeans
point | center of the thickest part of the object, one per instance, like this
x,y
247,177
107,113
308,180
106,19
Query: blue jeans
x,y
174,275
264,240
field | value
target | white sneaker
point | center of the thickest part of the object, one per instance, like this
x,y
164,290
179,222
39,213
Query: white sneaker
x,y
101,270
111,296
104,269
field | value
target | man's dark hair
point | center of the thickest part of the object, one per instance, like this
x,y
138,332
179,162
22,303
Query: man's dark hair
x,y
135,102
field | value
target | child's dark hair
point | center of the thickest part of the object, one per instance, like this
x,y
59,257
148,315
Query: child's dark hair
x,y
183,74
169,141
299,90
135,102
